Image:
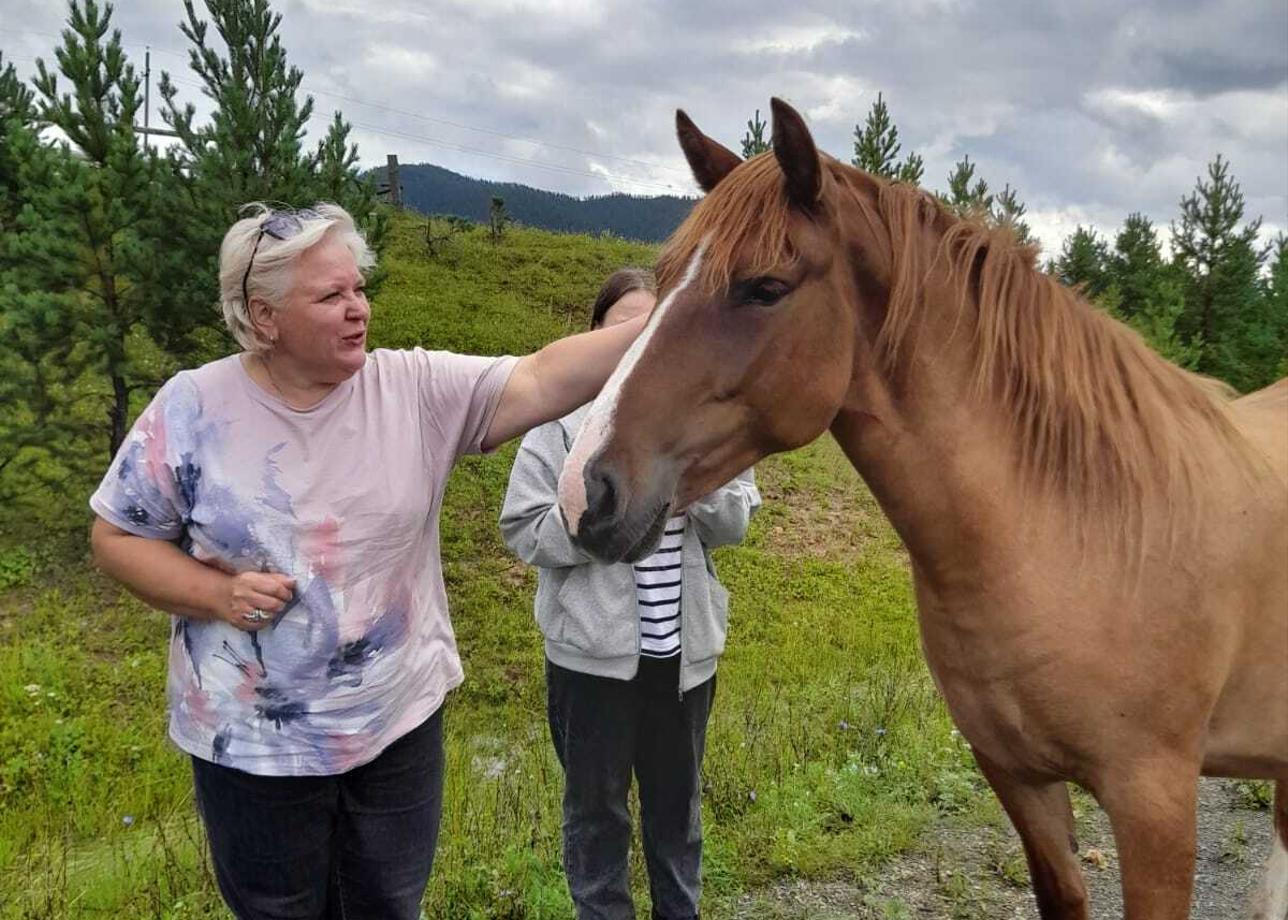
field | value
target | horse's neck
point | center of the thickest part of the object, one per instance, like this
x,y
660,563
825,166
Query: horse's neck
x,y
936,457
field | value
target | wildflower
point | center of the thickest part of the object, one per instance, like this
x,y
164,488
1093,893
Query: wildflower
x,y
844,726
880,730
752,795
32,689
128,820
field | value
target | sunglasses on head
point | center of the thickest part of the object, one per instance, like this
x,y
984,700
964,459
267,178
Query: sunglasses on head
x,y
280,225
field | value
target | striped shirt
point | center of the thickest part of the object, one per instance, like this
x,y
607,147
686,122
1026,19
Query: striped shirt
x,y
657,586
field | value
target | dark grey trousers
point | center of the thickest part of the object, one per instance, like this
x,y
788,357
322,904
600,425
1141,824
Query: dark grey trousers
x,y
603,729
353,846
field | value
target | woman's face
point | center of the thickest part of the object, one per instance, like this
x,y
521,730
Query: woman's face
x,y
321,326
628,306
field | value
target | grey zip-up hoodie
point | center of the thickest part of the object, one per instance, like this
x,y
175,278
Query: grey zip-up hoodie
x,y
587,609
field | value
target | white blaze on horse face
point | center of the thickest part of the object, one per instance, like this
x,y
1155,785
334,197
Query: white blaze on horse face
x,y
598,426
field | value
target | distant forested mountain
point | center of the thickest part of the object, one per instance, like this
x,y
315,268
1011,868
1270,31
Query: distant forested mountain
x,y
434,190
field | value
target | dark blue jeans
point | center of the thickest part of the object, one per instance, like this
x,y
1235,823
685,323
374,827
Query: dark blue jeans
x,y
603,730
354,846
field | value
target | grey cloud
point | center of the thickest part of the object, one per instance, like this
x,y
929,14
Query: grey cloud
x,y
1013,83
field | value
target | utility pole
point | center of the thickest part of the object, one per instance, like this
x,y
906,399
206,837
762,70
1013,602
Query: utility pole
x,y
146,129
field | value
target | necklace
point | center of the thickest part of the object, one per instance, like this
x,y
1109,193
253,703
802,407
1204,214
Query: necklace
x,y
268,369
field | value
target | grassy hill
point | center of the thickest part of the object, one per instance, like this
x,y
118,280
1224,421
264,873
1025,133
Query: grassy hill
x,y
828,749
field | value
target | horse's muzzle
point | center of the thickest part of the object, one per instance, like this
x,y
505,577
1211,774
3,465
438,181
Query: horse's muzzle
x,y
613,528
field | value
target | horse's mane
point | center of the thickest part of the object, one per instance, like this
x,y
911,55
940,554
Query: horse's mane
x,y
1100,416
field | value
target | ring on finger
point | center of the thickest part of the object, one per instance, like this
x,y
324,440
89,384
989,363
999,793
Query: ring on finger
x,y
256,616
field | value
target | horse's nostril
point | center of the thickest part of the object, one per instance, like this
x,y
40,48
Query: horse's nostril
x,y
601,493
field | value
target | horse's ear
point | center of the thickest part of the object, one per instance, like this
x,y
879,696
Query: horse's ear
x,y
709,160
797,156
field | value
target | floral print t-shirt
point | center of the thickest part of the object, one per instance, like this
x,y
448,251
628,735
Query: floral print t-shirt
x,y
345,498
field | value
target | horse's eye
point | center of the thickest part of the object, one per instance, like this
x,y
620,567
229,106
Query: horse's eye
x,y
765,291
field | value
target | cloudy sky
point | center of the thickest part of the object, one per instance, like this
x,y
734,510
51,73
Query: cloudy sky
x,y
1091,109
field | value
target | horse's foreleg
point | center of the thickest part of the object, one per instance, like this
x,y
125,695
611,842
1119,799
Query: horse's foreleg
x,y
1151,806
1043,817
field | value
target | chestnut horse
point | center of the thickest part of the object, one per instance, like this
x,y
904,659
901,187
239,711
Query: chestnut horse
x,y
1099,539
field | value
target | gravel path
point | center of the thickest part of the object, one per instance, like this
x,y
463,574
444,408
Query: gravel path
x,y
973,872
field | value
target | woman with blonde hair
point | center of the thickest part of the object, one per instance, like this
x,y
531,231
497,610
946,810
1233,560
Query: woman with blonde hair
x,y
282,504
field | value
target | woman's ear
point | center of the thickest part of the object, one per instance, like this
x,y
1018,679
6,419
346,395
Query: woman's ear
x,y
263,319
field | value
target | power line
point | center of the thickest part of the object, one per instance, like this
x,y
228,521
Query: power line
x,y
461,148
311,88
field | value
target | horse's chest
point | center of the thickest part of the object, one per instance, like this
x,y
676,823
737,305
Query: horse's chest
x,y
1004,687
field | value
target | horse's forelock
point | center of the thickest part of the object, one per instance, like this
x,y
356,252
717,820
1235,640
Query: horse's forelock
x,y
744,224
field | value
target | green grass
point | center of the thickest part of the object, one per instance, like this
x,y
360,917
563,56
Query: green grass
x,y
828,750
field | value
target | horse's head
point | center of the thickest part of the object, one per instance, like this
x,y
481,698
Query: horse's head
x,y
749,351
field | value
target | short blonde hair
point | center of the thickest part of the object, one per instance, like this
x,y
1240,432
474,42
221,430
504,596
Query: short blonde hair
x,y
272,273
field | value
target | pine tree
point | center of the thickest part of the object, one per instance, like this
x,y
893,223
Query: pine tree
x,y
1008,211
1136,266
1225,312
252,148
912,169
77,277
1156,325
967,195
876,147
339,179
16,100
1146,291
17,114
88,227
38,320
17,407
498,218
753,142
1083,262
1276,300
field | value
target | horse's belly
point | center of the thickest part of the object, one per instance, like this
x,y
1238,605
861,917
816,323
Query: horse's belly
x,y
1252,747
1247,733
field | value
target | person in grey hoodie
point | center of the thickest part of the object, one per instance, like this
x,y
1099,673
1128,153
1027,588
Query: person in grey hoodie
x,y
630,663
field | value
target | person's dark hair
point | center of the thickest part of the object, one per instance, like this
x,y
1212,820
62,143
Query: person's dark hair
x,y
619,284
